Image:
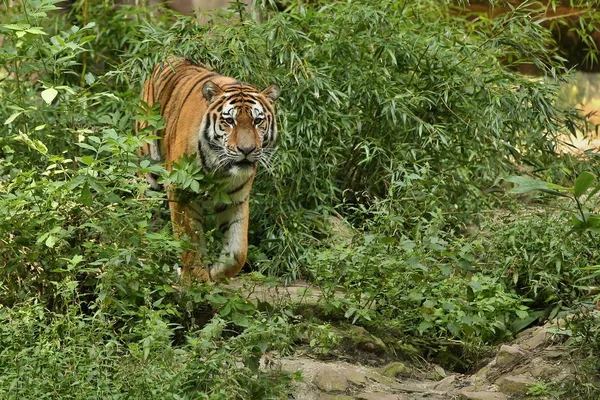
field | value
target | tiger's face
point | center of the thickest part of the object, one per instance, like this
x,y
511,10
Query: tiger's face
x,y
239,128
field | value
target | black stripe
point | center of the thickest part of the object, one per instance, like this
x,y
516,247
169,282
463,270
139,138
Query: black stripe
x,y
213,118
215,147
179,76
237,203
232,85
202,159
237,189
201,80
224,226
219,208
222,207
164,82
205,132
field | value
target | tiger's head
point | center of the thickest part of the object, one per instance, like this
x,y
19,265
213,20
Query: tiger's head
x,y
238,130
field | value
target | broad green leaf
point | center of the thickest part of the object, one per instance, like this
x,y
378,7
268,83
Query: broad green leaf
x,y
87,160
49,94
85,197
476,286
33,143
76,259
593,192
89,78
526,185
35,31
240,319
584,181
50,241
523,323
593,220
39,146
423,326
12,117
16,27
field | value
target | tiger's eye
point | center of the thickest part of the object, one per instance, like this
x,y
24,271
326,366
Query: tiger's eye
x,y
228,120
258,120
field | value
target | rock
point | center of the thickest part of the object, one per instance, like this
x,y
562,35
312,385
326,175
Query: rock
x,y
290,365
537,339
514,384
324,396
380,378
482,373
553,353
392,370
482,395
544,371
446,384
508,355
354,376
411,388
378,396
526,333
329,379
440,371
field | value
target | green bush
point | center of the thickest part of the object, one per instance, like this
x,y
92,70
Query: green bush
x,y
374,108
73,356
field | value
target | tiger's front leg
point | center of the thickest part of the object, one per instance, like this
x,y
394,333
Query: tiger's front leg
x,y
187,220
232,221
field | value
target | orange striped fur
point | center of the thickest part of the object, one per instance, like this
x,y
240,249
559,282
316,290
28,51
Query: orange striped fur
x,y
230,127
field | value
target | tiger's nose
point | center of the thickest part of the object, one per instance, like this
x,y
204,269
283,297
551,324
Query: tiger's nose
x,y
245,150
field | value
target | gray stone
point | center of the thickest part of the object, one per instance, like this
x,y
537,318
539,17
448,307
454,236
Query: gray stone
x,y
553,353
329,379
526,333
440,371
446,384
482,373
378,396
325,396
392,370
380,378
514,384
544,371
508,355
537,339
414,388
354,376
482,395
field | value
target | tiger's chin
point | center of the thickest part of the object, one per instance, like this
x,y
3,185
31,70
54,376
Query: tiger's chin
x,y
241,169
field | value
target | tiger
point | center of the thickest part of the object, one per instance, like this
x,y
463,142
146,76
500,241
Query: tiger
x,y
229,127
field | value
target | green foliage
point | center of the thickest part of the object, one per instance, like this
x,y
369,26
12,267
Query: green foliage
x,y
582,221
73,356
373,108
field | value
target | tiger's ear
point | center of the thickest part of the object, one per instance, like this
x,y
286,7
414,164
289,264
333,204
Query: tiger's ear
x,y
272,92
210,90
